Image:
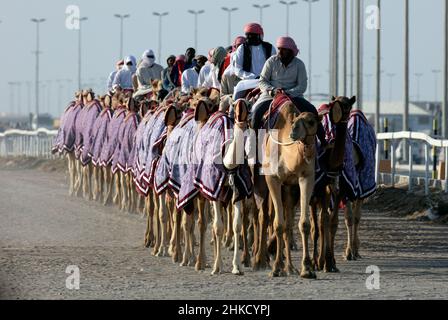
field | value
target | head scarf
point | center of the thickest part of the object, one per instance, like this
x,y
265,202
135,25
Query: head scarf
x,y
146,61
238,41
218,58
288,43
254,28
131,59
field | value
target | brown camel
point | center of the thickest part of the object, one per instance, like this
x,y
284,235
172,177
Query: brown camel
x,y
326,224
295,146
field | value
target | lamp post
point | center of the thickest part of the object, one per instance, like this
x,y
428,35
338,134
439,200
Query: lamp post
x,y
160,15
80,51
37,52
287,4
196,14
229,17
121,17
261,7
310,2
436,73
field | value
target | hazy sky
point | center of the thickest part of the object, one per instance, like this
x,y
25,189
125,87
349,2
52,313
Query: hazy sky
x,y
101,40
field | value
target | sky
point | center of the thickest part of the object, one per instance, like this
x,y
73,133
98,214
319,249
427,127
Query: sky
x,y
59,45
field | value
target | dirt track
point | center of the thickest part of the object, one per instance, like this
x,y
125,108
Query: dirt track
x,y
43,230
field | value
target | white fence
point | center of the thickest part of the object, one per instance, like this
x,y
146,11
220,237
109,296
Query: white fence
x,y
38,143
15,143
428,142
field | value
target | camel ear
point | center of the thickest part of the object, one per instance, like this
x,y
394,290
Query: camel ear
x,y
171,116
336,112
333,98
201,112
352,100
107,101
241,111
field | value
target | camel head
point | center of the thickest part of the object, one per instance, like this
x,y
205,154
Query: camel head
x,y
304,128
171,118
340,108
131,105
202,110
242,108
88,95
107,101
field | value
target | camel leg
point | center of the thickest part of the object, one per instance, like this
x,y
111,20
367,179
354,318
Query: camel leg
x,y
95,184
149,233
314,234
123,192
78,180
245,257
323,230
72,172
357,220
132,193
290,196
163,220
261,257
157,226
306,189
348,215
116,191
192,242
237,224
176,251
202,224
186,226
218,229
229,230
86,191
334,221
108,184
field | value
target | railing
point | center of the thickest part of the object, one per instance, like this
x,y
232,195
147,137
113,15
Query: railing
x,y
428,142
15,143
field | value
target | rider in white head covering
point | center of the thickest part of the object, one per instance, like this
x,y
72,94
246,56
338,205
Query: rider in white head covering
x,y
123,79
148,70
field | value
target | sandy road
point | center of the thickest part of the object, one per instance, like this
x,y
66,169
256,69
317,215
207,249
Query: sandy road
x,y
43,230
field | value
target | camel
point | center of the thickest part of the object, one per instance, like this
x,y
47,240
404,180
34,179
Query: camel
x,y
295,152
325,227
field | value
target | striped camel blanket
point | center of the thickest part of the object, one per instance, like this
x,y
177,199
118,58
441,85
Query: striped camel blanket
x,y
210,175
100,129
126,142
58,142
90,113
364,139
69,128
112,137
141,153
174,161
154,146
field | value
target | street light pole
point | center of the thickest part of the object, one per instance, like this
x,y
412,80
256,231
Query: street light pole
x,y
196,13
160,15
287,4
358,54
334,52
37,22
229,13
436,73
261,7
378,71
310,2
445,79
121,17
406,68
80,52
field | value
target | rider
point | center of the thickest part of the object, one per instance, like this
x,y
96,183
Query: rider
x,y
190,76
229,79
123,79
167,83
250,58
286,73
112,75
148,70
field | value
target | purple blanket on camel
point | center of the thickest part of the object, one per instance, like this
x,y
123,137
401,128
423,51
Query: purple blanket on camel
x,y
109,147
174,162
100,135
209,174
58,142
90,113
128,128
70,127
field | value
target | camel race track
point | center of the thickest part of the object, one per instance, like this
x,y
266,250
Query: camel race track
x,y
44,231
